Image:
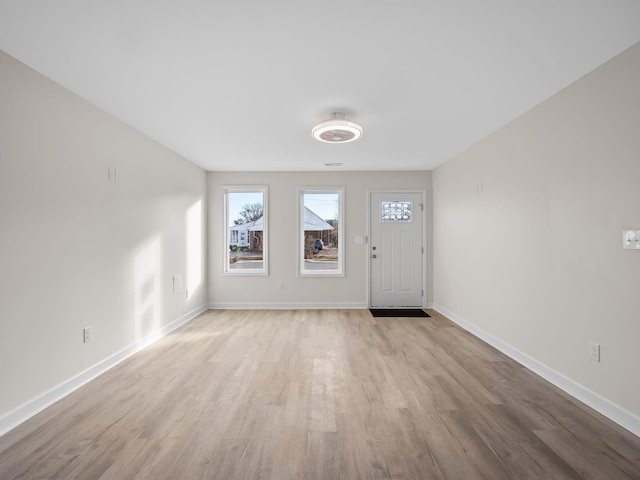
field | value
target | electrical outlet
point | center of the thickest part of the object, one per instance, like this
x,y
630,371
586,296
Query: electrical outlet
x,y
88,336
594,351
178,283
112,174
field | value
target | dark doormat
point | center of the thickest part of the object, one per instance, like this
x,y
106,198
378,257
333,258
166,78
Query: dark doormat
x,y
398,312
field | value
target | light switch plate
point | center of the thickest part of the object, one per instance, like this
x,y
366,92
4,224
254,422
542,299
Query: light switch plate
x,y
631,239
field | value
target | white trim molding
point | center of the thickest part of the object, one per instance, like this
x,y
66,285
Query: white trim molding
x,y
287,306
36,405
619,415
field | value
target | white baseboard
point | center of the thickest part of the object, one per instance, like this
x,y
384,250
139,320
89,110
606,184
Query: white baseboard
x,y
619,415
286,306
36,405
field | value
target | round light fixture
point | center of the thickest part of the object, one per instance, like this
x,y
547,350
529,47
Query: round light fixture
x,y
337,130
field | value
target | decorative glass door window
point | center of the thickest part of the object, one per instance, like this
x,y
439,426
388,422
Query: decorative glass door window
x,y
395,211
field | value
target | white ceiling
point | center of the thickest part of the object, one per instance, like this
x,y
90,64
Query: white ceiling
x,y
237,85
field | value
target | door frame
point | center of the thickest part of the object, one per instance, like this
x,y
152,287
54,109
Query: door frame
x,y
423,194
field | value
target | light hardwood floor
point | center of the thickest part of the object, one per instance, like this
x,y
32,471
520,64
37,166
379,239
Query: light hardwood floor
x,y
318,394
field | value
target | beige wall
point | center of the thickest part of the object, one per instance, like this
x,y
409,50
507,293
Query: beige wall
x,y
534,260
77,250
348,291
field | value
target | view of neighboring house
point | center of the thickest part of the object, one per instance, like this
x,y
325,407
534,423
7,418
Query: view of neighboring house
x,y
316,227
249,235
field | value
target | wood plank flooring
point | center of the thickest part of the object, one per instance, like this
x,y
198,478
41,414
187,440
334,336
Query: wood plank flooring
x,y
318,394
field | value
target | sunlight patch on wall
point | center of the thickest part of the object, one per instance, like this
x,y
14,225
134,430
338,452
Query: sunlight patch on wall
x,y
147,290
194,247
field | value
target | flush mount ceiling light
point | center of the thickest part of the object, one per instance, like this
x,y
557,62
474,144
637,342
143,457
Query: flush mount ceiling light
x,y
337,130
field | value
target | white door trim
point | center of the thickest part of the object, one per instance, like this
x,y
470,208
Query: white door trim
x,y
423,194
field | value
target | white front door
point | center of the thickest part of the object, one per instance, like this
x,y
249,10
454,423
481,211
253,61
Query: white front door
x,y
396,250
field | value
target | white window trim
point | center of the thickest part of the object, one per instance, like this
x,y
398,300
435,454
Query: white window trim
x,y
340,272
246,272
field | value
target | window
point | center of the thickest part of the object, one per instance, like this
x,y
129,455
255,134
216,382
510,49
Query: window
x,y
395,211
320,227
245,230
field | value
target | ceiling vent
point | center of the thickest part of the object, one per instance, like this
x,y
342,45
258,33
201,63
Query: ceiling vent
x,y
337,130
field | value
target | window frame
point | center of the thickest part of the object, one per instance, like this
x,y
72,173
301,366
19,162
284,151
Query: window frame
x,y
340,270
226,266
